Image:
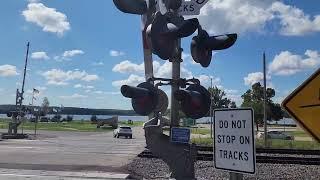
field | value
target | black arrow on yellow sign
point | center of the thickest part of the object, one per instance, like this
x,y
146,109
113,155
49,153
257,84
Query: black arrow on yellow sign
x,y
303,105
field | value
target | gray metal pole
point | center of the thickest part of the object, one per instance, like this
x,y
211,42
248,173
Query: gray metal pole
x,y
264,99
147,52
211,113
174,87
235,176
25,68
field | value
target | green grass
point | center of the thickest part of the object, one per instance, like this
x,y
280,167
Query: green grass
x,y
75,125
278,143
201,131
298,133
135,123
275,143
202,141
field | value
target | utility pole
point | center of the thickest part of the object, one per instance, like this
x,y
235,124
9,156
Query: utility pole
x,y
265,99
211,109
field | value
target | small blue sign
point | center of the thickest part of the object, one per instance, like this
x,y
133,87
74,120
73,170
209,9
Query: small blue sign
x,y
180,135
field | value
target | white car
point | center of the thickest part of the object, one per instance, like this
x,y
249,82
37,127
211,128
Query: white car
x,y
125,131
276,135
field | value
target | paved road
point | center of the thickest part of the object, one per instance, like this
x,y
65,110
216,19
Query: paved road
x,y
18,174
71,151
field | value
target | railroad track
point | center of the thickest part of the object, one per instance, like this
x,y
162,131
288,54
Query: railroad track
x,y
259,158
272,151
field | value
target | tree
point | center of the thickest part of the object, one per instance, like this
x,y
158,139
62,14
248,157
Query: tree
x,y
94,118
45,106
69,118
233,105
254,98
56,118
219,99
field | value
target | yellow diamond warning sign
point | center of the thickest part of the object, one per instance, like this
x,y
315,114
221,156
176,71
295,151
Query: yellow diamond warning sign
x,y
303,104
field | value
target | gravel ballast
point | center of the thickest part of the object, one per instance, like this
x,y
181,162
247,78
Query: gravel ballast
x,y
151,168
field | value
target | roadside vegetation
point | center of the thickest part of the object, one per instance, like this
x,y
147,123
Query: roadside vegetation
x,y
75,125
202,131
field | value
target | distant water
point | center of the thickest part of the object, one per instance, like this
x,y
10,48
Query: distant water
x,y
287,121
87,117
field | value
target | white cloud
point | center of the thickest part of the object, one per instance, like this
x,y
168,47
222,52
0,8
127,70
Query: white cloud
x,y
71,53
8,70
165,71
60,77
41,88
253,15
287,63
74,96
231,91
115,53
83,86
40,55
89,87
294,21
33,1
133,80
100,63
206,80
128,67
235,15
48,18
90,77
112,93
77,86
254,78
98,92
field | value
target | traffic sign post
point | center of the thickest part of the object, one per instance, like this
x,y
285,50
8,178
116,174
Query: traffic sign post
x,y
303,104
234,143
180,135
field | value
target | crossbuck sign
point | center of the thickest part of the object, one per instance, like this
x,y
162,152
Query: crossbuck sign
x,y
188,7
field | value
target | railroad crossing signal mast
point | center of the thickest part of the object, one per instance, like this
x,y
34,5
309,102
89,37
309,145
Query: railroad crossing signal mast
x,y
163,29
20,110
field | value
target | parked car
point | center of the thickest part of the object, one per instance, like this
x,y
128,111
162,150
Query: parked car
x,y
44,119
125,131
277,135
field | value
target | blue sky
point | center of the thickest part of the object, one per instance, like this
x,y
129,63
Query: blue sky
x,y
82,51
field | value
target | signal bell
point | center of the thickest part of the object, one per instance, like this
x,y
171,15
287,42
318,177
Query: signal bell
x,y
195,101
134,6
144,97
202,46
165,30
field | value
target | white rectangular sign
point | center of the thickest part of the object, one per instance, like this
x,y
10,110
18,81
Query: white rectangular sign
x,y
234,143
188,7
191,7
